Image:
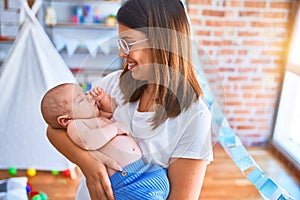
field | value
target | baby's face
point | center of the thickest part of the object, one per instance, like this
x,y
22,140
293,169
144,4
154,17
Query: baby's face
x,y
83,105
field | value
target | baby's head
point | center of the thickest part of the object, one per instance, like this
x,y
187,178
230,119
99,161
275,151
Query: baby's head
x,y
66,102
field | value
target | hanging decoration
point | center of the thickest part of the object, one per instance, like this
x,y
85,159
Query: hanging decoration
x,y
93,46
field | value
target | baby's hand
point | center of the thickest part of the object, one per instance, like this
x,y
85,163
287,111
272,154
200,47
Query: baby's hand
x,y
97,93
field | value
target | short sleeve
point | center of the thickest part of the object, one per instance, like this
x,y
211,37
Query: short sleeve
x,y
196,141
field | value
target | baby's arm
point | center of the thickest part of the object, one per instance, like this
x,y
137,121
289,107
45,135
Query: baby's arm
x,y
89,138
107,104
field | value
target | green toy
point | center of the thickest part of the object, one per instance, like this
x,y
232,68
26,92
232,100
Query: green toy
x,y
12,171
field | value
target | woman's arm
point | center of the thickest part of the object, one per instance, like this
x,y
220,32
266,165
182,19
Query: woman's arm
x,y
93,169
186,178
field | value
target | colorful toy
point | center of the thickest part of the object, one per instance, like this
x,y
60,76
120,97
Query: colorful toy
x,y
86,86
12,171
43,196
96,15
50,17
55,172
36,197
31,172
88,14
33,193
111,20
77,16
28,188
67,173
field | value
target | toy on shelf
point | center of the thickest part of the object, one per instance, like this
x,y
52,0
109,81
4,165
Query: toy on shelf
x,y
50,17
96,15
86,86
88,14
77,16
111,20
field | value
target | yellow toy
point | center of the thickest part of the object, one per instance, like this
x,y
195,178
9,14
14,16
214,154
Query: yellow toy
x,y
31,172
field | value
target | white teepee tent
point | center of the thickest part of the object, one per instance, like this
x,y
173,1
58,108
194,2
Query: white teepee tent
x,y
32,66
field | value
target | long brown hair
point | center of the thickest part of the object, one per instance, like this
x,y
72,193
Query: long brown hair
x,y
166,25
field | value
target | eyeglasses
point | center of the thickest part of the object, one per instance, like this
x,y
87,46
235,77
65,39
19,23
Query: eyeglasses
x,y
125,47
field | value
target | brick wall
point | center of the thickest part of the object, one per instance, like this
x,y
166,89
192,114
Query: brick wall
x,y
247,40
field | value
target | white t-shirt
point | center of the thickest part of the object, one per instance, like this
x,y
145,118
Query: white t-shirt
x,y
186,136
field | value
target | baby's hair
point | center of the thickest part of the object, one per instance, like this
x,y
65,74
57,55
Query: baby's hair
x,y
54,104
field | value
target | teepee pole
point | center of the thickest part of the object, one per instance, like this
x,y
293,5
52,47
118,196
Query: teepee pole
x,y
31,12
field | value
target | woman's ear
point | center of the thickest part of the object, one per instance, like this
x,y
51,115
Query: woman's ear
x,y
64,120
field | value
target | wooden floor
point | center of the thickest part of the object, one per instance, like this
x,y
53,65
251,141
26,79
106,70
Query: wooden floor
x,y
223,180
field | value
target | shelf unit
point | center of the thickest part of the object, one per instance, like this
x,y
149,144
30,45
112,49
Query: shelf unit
x,y
65,9
9,24
86,66
5,45
81,26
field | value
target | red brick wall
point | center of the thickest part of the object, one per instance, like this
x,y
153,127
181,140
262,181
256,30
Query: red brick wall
x,y
247,40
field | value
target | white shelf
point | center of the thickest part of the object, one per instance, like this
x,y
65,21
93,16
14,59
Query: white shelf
x,y
8,41
84,1
81,26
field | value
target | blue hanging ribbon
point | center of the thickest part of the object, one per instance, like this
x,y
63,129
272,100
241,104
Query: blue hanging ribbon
x,y
238,153
235,149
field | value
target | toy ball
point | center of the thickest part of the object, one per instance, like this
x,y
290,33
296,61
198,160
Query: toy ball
x,y
28,188
55,172
43,196
36,197
67,173
33,193
12,171
31,172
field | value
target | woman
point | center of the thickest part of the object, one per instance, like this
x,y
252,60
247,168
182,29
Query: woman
x,y
159,99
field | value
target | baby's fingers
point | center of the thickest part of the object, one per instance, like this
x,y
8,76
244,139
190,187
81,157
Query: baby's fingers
x,y
93,92
96,92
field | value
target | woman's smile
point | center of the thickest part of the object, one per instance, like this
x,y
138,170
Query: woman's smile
x,y
131,65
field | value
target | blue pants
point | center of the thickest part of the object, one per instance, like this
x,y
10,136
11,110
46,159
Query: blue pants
x,y
139,181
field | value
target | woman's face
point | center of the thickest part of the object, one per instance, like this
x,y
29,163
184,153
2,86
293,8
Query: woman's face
x,y
138,60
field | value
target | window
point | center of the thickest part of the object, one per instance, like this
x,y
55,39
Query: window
x,y
286,136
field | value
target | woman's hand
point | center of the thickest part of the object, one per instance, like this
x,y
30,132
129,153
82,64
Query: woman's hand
x,y
95,172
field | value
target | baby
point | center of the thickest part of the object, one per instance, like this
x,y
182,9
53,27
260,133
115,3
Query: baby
x,y
86,118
